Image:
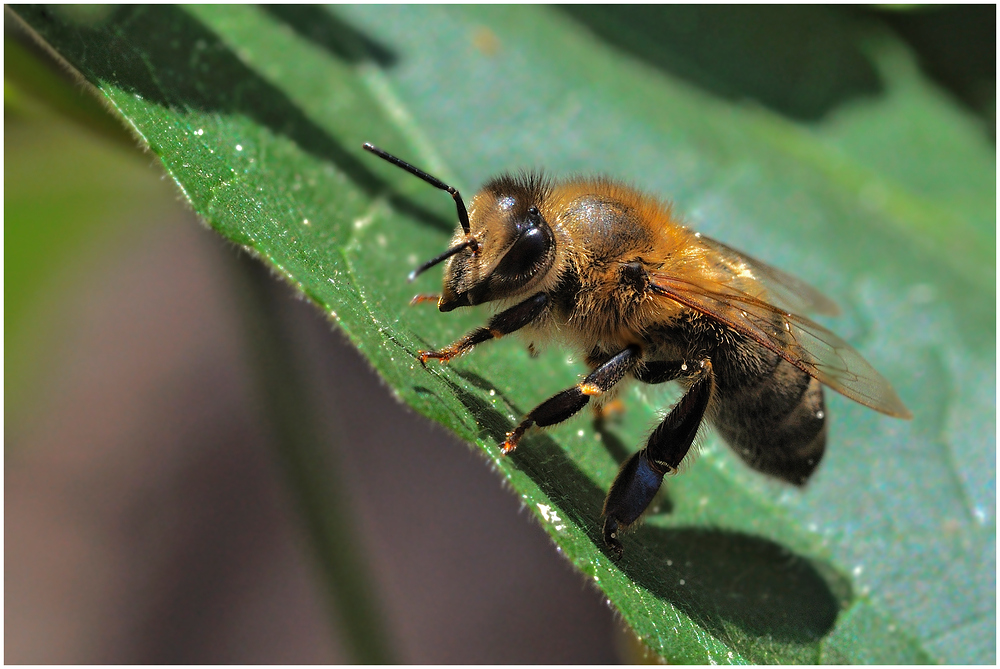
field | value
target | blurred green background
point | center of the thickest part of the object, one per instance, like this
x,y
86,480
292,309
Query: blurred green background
x,y
98,241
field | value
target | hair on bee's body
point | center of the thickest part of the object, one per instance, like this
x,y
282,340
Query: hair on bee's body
x,y
612,273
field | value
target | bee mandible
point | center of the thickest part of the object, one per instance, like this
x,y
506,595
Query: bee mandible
x,y
614,274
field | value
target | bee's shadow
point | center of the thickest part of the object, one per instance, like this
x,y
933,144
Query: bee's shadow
x,y
741,587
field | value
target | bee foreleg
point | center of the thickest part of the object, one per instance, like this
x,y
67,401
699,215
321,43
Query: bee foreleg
x,y
507,321
561,406
640,477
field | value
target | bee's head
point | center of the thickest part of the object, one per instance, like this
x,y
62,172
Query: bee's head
x,y
504,245
514,245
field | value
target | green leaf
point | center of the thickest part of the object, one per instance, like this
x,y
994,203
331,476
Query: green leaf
x,y
882,192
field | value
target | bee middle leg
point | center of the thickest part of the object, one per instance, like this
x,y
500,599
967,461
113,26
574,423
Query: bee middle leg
x,y
640,477
561,406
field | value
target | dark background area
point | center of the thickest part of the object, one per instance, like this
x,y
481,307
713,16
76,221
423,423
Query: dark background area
x,y
146,517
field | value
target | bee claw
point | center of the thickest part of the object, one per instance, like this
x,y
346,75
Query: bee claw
x,y
509,444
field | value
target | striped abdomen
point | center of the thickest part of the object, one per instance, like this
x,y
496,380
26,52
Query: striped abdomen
x,y
770,412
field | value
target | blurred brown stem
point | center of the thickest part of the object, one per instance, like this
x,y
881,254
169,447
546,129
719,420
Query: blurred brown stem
x,y
307,456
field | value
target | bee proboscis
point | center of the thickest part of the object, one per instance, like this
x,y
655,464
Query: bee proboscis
x,y
614,274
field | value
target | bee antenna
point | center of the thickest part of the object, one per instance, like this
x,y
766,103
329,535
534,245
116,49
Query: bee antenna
x,y
444,256
463,215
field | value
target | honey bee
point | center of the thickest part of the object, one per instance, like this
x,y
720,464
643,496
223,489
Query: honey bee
x,y
612,273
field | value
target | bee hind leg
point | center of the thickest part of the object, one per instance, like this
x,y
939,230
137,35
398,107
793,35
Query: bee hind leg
x,y
640,477
561,406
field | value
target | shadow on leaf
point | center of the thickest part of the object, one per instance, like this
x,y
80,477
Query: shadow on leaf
x,y
752,593
174,61
318,25
800,61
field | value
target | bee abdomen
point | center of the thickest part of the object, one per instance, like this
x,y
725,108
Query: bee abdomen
x,y
775,421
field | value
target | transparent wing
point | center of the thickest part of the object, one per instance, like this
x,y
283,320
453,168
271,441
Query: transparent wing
x,y
805,344
789,292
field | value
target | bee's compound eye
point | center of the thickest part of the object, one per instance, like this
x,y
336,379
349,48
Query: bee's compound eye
x,y
531,246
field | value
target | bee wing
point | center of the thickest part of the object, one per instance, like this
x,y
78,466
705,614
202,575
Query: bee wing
x,y
805,344
790,292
